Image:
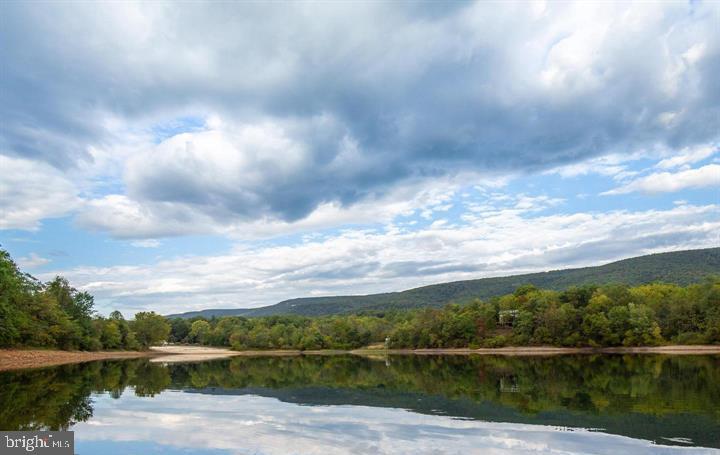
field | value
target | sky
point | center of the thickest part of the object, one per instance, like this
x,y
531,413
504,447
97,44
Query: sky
x,y
175,157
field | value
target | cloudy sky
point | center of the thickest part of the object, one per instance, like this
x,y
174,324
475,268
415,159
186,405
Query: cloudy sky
x,y
200,155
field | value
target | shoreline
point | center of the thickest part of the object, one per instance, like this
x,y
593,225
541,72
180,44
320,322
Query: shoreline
x,y
199,353
24,359
20,359
551,350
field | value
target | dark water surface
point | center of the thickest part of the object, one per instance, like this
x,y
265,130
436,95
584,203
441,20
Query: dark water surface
x,y
400,404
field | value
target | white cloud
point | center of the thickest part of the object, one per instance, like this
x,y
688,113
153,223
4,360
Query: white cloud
x,y
31,191
231,165
612,165
667,182
147,243
493,242
32,261
126,218
688,156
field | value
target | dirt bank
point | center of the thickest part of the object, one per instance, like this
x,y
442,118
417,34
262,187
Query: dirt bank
x,y
16,359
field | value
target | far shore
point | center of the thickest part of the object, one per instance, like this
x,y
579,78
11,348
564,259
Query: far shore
x,y
183,353
550,350
17,359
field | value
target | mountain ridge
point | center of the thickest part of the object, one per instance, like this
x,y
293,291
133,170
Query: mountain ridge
x,y
677,267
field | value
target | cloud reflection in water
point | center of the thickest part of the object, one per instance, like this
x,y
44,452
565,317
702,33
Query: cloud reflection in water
x,y
181,422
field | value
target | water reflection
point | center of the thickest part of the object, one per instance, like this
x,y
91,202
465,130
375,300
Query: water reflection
x,y
401,404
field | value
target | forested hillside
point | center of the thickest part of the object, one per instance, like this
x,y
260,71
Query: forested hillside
x,y
678,267
594,316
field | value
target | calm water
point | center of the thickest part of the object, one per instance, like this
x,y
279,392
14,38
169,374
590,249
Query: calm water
x,y
400,404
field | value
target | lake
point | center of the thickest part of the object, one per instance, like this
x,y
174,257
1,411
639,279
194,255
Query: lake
x,y
605,404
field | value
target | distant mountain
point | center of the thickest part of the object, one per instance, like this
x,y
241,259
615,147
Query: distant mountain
x,y
678,267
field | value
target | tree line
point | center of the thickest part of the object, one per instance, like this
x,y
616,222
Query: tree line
x,y
594,316
56,315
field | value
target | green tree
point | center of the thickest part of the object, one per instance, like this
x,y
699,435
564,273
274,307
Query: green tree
x,y
642,328
199,331
179,329
13,289
150,328
111,337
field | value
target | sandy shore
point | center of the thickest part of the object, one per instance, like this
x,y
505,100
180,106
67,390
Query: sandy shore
x,y
188,350
16,359
177,354
181,353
